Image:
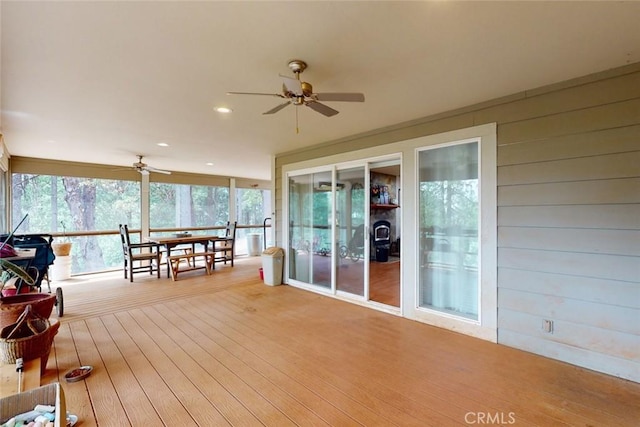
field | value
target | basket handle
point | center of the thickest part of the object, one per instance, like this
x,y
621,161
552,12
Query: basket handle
x,y
21,320
25,318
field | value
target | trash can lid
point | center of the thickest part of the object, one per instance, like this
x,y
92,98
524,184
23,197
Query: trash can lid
x,y
273,250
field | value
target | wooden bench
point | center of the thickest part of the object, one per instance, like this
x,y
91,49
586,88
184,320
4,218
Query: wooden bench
x,y
190,257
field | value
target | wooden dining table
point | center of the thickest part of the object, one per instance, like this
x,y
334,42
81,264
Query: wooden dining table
x,y
171,242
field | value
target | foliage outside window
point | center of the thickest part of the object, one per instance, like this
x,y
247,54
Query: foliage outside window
x,y
90,205
81,204
310,207
180,206
449,212
253,205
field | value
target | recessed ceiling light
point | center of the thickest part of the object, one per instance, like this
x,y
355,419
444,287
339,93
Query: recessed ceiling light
x,y
209,164
223,110
162,144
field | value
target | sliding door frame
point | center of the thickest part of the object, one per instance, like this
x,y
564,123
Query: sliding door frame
x,y
486,326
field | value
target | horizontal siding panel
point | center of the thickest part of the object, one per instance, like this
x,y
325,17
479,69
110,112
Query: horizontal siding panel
x,y
601,291
625,113
605,341
610,191
613,242
610,166
618,217
610,317
607,91
608,141
615,366
611,267
379,137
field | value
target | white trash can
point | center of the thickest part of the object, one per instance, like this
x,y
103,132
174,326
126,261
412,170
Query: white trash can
x,y
272,265
60,269
253,244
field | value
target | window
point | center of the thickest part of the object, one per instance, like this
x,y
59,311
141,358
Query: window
x,y
253,205
177,206
56,204
448,206
90,209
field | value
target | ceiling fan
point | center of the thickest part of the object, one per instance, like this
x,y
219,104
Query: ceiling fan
x,y
297,92
144,168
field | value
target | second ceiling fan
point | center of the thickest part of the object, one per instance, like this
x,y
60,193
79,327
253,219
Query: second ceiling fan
x,y
297,92
145,169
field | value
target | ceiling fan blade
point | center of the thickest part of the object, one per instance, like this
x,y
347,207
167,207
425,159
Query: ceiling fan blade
x,y
336,96
279,95
322,109
292,85
152,169
278,108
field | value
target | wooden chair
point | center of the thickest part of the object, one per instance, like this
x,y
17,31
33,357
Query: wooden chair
x,y
145,254
224,247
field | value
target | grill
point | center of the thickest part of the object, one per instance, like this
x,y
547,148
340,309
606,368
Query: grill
x,y
382,240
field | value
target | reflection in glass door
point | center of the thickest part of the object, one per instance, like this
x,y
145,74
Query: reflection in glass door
x,y
449,201
350,225
310,207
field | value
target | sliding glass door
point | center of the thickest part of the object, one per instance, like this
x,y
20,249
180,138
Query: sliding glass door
x,y
412,232
327,246
330,216
310,214
350,225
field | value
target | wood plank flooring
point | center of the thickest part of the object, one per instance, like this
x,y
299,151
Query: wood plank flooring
x,y
226,349
384,282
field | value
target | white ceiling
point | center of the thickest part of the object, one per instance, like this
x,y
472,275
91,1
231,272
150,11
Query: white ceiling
x,y
100,82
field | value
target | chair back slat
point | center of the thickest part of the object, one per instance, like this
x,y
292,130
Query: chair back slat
x,y
226,247
151,257
231,230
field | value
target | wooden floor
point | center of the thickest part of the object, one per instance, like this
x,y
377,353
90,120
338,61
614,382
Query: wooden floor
x,y
229,350
384,282
384,278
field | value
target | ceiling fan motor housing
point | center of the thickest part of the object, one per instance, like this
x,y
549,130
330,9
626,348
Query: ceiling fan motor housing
x,y
307,89
297,93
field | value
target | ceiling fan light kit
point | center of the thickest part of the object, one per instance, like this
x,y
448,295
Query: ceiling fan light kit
x,y
298,92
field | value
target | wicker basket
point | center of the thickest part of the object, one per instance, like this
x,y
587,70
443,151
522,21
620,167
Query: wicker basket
x,y
12,307
29,338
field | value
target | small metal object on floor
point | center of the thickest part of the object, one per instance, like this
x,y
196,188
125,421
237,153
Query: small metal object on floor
x,y
78,374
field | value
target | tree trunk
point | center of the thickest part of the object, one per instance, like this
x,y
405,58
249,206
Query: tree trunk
x,y
80,195
184,209
54,203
